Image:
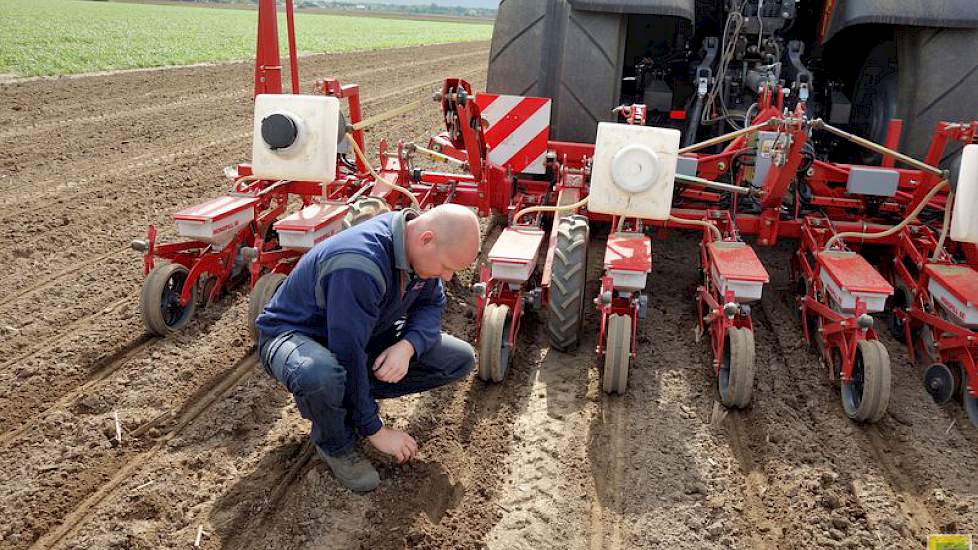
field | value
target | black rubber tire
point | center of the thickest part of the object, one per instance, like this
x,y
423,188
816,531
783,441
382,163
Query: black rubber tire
x,y
161,314
545,48
493,343
933,73
618,351
865,399
260,295
364,209
567,279
735,381
969,403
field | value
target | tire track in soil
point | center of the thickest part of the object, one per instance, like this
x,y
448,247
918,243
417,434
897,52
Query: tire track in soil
x,y
81,434
190,411
870,496
99,371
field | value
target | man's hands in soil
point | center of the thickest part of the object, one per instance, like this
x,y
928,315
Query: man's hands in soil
x,y
395,443
393,363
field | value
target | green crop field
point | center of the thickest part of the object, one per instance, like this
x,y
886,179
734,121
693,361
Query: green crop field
x,y
54,37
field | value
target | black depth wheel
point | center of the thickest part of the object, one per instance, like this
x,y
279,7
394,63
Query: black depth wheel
x,y
494,343
617,353
939,382
260,296
159,300
867,394
736,377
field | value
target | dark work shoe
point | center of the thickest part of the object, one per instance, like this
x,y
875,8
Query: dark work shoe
x,y
352,470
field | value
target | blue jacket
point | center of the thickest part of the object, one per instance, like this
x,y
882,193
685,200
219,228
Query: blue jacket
x,y
336,297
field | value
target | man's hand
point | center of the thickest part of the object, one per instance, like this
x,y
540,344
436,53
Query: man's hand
x,y
395,443
393,363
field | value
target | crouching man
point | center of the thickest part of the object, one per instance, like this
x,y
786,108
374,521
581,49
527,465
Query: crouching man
x,y
359,319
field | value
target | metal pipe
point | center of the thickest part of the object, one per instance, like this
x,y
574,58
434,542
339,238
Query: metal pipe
x,y
293,57
437,156
726,187
876,147
729,137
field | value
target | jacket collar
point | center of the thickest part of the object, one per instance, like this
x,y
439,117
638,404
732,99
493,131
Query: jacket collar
x,y
398,231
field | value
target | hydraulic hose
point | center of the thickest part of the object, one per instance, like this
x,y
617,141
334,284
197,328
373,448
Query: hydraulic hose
x,y
948,204
702,223
394,186
906,221
531,209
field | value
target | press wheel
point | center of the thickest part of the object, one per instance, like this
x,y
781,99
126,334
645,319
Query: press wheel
x,y
618,350
494,343
736,377
159,300
866,395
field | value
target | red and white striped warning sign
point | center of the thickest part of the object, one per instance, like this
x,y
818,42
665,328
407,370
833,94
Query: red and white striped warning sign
x,y
519,128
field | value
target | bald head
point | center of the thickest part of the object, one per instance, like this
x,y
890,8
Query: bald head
x,y
442,241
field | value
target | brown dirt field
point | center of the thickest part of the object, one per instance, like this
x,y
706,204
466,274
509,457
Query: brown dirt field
x,y
542,460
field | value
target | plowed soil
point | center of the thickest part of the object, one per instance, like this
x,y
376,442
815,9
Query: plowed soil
x,y
213,450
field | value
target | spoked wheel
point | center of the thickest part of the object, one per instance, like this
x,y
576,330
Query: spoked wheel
x,y
736,377
867,394
939,382
159,300
617,353
260,296
494,343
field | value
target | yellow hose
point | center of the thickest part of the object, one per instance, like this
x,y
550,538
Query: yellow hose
x,y
531,209
394,186
702,223
906,221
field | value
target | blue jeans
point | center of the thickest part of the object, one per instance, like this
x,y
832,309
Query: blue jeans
x,y
318,382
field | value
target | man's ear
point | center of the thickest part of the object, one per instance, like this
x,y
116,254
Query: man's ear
x,y
427,236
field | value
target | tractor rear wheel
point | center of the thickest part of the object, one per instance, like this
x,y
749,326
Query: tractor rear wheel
x,y
923,76
260,296
736,377
867,394
618,351
494,343
546,48
159,300
567,278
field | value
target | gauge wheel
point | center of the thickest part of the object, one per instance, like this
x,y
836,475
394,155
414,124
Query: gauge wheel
x,y
494,343
736,377
866,395
159,300
260,295
617,353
